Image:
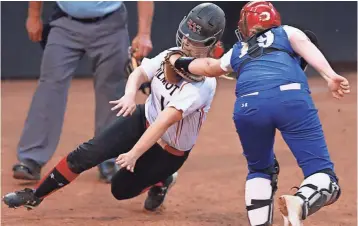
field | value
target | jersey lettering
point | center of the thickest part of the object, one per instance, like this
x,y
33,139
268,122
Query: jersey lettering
x,y
168,86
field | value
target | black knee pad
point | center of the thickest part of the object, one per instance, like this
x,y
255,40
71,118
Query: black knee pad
x,y
273,171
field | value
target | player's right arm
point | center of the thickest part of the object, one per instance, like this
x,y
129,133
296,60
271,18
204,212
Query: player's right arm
x,y
144,73
34,24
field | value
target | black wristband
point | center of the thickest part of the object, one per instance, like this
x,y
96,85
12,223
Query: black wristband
x,y
182,63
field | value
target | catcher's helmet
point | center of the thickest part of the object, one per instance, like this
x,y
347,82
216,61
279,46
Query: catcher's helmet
x,y
257,14
203,27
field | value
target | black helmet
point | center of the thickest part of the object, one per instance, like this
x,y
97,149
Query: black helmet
x,y
204,24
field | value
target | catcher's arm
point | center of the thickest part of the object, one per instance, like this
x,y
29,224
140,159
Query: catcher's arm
x,y
208,67
302,45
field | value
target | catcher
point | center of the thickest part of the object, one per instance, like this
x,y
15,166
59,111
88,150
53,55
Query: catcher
x,y
152,141
272,92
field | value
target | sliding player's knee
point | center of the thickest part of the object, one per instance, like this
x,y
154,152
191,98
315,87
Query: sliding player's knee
x,y
122,190
83,158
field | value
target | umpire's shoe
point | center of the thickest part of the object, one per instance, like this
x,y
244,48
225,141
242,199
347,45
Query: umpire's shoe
x,y
24,198
27,170
156,194
107,169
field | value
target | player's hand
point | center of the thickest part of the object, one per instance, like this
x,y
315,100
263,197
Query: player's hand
x,y
126,105
34,28
127,161
339,86
141,45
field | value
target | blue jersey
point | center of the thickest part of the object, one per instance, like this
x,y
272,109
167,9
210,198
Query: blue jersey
x,y
269,70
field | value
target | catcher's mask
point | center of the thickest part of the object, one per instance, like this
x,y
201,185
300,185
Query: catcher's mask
x,y
201,29
131,64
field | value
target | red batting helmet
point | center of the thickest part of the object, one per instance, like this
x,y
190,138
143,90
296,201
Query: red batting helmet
x,y
257,14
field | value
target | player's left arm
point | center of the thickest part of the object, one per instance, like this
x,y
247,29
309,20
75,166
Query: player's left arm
x,y
127,104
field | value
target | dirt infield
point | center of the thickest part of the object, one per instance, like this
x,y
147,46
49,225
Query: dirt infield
x,y
210,188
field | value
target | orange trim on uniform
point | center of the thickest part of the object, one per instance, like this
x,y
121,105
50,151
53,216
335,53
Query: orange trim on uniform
x,y
159,184
63,168
201,117
173,151
183,86
166,147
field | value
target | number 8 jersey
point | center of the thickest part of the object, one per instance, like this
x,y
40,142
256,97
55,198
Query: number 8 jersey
x,y
193,99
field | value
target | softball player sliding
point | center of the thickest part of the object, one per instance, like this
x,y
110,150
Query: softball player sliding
x,y
151,141
272,93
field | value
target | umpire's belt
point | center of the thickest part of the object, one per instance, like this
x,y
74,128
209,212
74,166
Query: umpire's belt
x,y
61,13
166,146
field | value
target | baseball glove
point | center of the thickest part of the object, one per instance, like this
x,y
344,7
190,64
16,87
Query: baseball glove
x,y
174,75
131,64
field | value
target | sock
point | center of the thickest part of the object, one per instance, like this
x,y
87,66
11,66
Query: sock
x,y
57,178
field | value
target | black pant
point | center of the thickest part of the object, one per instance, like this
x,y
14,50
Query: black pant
x,y
154,166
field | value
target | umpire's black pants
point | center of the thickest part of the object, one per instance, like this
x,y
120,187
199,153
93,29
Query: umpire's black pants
x,y
154,166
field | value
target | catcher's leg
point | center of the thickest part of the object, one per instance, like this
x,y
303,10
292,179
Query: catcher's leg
x,y
260,189
301,129
315,192
257,132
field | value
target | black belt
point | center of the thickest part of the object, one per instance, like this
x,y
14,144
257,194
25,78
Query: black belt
x,y
88,20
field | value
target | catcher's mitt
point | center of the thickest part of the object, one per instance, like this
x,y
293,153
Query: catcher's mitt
x,y
174,75
131,64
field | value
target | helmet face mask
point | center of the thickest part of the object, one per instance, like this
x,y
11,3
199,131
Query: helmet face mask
x,y
193,47
201,29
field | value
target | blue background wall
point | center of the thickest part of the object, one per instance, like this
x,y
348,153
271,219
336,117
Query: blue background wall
x,y
335,24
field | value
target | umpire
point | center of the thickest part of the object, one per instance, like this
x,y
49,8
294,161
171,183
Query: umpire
x,y
98,29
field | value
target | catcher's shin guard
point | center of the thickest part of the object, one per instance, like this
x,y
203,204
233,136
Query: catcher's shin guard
x,y
317,191
259,193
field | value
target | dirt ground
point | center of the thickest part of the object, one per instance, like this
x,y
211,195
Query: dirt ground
x,y
210,188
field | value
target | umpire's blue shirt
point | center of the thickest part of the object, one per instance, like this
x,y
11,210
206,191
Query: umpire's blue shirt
x,y
88,9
